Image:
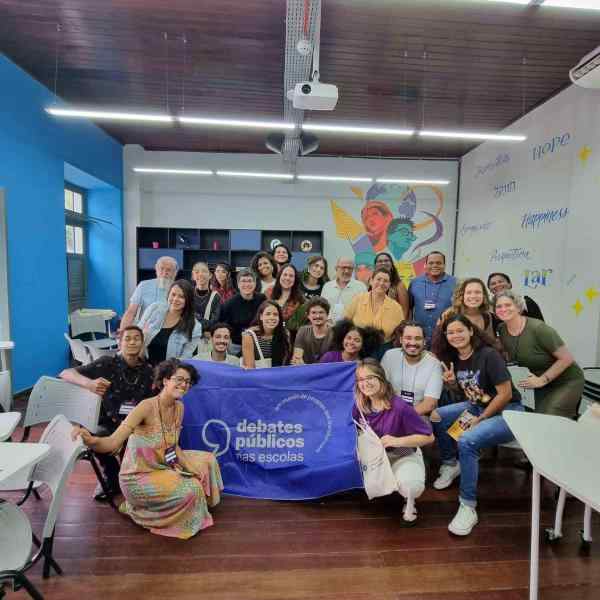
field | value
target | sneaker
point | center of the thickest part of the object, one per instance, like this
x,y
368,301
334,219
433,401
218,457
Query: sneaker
x,y
464,520
448,473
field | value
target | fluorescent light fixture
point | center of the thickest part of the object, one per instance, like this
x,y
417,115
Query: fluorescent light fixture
x,y
465,135
106,115
512,1
413,181
258,175
589,4
172,171
332,178
360,130
247,124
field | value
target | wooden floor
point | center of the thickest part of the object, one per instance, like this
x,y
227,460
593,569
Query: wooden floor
x,y
339,547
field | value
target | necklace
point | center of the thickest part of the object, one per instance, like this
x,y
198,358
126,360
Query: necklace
x,y
167,427
124,370
467,357
517,337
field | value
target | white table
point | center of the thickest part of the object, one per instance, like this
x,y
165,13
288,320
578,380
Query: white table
x,y
8,423
566,454
15,456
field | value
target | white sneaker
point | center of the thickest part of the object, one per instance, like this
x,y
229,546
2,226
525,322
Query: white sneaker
x,y
464,520
448,473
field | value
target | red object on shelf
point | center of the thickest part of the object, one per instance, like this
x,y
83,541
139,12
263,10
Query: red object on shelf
x,y
215,245
155,245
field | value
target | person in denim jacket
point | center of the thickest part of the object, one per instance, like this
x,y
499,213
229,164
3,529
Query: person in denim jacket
x,y
171,330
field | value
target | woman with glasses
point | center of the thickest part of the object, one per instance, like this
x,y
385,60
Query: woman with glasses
x,y
167,490
401,430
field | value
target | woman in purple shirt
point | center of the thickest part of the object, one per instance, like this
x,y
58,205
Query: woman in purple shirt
x,y
401,429
351,343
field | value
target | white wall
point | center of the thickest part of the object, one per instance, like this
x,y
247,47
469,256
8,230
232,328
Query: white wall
x,y
211,202
531,210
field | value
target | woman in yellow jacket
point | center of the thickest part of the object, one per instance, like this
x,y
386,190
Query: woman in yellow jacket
x,y
376,309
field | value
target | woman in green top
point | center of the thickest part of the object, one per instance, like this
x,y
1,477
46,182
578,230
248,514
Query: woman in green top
x,y
556,378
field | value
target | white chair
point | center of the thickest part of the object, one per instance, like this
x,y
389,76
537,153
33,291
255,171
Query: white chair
x,y
79,351
96,352
8,423
82,322
51,397
17,553
591,421
5,391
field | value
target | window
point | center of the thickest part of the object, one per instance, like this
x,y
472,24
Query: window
x,y
75,247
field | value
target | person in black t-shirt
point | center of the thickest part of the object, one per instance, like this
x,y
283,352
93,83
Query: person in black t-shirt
x,y
239,311
123,381
474,369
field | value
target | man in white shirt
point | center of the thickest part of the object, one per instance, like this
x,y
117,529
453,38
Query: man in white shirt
x,y
415,374
220,337
151,290
340,291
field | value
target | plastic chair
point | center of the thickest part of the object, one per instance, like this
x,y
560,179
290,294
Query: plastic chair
x,y
82,322
590,420
54,471
96,352
78,350
5,392
51,397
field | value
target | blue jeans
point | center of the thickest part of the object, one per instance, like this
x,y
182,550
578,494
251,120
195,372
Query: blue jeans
x,y
489,432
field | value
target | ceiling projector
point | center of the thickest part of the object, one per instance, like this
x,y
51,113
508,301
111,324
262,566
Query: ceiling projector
x,y
587,72
313,95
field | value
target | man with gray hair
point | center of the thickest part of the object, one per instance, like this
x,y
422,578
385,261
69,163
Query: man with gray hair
x,y
340,291
151,290
238,312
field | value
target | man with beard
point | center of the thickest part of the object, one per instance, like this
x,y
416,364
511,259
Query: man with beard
x,y
220,338
312,341
151,290
414,373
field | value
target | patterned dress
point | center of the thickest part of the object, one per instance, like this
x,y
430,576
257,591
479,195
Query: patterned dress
x,y
168,501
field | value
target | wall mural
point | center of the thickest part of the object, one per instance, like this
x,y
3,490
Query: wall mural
x,y
402,220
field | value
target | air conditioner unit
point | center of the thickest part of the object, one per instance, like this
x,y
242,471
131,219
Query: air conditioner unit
x,y
587,72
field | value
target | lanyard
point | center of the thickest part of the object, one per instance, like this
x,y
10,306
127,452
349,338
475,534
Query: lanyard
x,y
162,427
436,287
412,390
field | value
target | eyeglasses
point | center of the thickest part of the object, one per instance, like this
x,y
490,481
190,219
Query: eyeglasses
x,y
367,378
179,380
345,268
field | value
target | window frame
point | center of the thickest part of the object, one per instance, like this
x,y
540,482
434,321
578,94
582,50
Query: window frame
x,y
77,219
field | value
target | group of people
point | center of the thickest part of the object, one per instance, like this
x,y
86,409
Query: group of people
x,y
432,360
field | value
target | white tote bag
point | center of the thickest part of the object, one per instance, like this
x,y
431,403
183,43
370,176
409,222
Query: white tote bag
x,y
262,362
377,474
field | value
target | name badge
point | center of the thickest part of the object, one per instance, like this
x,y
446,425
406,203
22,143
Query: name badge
x,y
407,396
126,408
171,456
429,305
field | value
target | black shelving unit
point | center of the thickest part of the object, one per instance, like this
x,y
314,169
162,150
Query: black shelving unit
x,y
234,246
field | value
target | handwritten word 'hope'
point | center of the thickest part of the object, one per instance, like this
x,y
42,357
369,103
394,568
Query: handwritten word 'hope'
x,y
536,219
556,143
510,254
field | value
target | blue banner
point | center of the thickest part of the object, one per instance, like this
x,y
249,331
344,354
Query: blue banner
x,y
284,433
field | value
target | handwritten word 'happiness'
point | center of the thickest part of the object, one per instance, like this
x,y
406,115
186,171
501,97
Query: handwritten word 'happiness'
x,y
510,254
555,144
491,166
535,220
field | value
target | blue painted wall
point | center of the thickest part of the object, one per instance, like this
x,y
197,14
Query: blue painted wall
x,y
34,148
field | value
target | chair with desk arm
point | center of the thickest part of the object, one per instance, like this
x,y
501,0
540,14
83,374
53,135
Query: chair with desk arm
x,y
16,545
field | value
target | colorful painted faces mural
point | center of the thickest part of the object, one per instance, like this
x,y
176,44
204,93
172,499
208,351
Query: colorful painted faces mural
x,y
397,219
